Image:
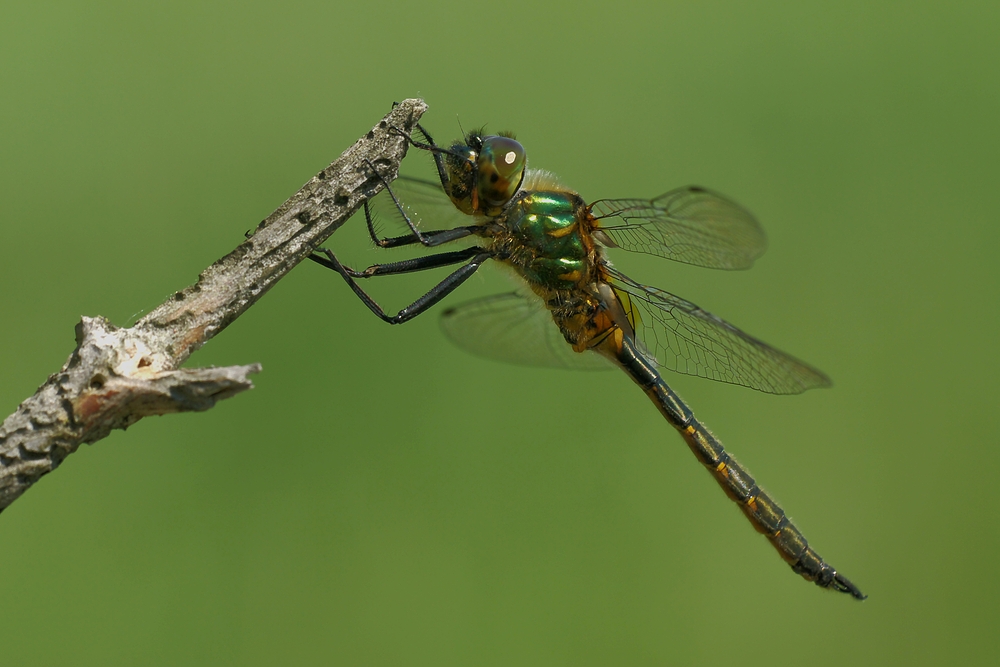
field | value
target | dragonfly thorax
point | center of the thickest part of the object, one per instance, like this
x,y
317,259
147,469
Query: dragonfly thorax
x,y
544,235
540,234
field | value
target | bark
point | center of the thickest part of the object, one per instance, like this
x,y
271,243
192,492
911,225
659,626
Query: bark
x,y
116,376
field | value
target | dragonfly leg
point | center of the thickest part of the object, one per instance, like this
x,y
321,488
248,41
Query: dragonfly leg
x,y
405,266
430,238
436,152
434,295
428,145
418,237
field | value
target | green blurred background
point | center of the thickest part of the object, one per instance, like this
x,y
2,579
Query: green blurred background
x,y
381,498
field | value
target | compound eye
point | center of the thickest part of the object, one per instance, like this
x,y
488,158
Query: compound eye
x,y
505,154
501,169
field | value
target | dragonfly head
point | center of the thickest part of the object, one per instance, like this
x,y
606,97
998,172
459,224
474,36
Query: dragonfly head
x,y
500,171
484,173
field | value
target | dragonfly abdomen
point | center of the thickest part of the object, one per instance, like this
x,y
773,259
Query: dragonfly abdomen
x,y
764,513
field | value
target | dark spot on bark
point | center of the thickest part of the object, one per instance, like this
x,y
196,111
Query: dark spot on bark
x,y
341,196
179,296
98,381
303,217
370,135
144,362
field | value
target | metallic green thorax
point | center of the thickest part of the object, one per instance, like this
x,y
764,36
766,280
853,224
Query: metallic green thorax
x,y
546,242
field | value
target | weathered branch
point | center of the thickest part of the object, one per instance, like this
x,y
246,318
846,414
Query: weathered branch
x,y
115,377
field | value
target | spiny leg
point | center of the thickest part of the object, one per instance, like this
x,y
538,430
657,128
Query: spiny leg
x,y
404,266
420,238
431,238
435,150
434,295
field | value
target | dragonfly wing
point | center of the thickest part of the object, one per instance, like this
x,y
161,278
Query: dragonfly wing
x,y
424,201
517,329
690,224
683,338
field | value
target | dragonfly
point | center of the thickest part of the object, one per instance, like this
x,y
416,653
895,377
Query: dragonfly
x,y
575,310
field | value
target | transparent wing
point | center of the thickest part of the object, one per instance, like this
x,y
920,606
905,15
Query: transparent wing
x,y
690,224
424,202
517,329
683,338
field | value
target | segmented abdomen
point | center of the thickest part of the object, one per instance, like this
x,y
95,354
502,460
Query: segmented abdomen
x,y
763,512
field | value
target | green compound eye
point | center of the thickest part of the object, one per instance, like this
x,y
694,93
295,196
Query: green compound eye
x,y
501,170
